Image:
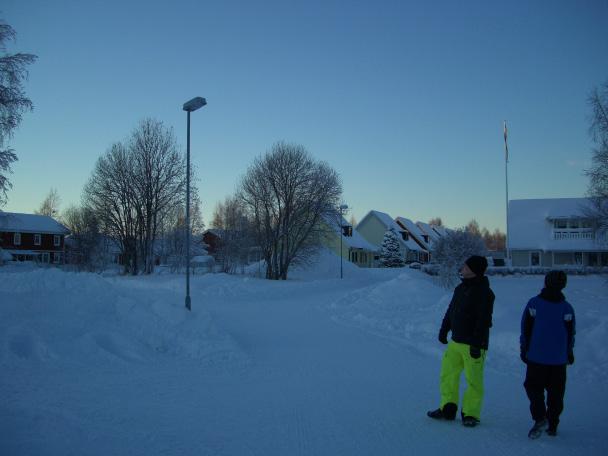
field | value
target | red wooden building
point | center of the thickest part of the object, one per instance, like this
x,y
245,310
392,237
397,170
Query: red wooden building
x,y
30,237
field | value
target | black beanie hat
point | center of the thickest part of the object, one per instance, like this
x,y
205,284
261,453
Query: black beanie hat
x,y
556,280
477,264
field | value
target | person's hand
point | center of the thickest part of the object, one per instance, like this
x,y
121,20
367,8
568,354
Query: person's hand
x,y
570,357
443,337
475,352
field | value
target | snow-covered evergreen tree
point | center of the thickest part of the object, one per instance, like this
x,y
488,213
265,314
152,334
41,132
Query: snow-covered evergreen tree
x,y
451,252
390,253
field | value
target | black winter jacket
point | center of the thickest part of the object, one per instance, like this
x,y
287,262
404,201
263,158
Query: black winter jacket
x,y
469,315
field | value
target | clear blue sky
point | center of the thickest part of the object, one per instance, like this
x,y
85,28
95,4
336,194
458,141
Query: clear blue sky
x,y
405,99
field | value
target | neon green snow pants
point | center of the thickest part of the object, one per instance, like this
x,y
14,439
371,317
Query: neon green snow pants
x,y
455,359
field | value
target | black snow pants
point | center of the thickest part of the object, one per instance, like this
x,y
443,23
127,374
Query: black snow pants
x,y
541,377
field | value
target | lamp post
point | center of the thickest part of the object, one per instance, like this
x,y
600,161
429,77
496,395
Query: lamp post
x,y
189,107
342,208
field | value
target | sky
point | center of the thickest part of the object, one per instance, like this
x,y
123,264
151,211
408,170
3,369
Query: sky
x,y
405,100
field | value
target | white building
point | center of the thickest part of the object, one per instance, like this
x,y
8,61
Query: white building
x,y
554,232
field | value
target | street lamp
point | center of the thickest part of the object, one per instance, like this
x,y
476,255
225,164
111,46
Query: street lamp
x,y
342,208
189,107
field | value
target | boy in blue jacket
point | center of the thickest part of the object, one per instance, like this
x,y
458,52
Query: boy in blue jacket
x,y
547,341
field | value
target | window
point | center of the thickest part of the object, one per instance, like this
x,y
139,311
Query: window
x,y
586,223
17,239
560,224
573,224
45,258
347,230
56,257
534,258
405,235
37,239
56,241
426,238
578,258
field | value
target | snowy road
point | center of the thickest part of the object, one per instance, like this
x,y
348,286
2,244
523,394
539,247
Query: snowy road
x,y
299,368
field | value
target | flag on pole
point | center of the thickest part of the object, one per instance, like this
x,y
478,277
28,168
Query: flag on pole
x,y
506,147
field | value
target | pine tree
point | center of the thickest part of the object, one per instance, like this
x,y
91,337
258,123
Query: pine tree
x,y
390,253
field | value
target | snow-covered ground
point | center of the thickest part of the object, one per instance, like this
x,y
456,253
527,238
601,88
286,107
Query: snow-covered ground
x,y
93,365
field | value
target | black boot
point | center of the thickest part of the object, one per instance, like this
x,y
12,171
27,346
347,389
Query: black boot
x,y
448,412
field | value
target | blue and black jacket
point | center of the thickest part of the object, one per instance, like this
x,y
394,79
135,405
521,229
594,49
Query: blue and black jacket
x,y
548,327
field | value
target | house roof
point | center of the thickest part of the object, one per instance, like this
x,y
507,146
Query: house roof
x,y
416,232
30,223
531,224
355,241
389,223
428,229
215,231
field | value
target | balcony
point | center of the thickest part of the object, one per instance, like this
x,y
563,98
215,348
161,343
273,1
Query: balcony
x,y
573,235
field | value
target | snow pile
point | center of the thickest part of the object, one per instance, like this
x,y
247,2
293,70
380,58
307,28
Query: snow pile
x,y
77,318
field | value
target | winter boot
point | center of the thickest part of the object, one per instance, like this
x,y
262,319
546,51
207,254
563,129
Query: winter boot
x,y
469,421
537,429
448,412
552,430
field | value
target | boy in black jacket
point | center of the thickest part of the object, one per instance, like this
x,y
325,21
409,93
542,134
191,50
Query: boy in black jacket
x,y
469,318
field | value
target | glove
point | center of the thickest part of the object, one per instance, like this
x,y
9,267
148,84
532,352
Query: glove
x,y
522,355
443,337
570,357
475,352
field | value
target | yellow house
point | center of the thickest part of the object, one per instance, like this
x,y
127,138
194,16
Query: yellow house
x,y
375,224
342,239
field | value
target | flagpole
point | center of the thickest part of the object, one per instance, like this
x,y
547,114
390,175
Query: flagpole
x,y
508,259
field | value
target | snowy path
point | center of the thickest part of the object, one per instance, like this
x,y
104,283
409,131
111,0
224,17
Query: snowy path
x,y
305,368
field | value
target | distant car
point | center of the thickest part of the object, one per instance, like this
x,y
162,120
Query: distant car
x,y
415,265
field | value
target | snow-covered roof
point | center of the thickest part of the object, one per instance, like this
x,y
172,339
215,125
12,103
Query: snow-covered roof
x,y
414,231
440,230
428,230
355,241
389,223
531,224
30,223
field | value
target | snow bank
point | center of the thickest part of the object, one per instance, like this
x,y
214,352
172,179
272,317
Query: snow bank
x,y
47,315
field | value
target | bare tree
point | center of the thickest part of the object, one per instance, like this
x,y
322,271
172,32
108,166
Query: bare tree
x,y
473,228
237,233
598,173
135,188
436,221
111,195
286,194
13,102
494,241
159,181
87,249
171,245
50,205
